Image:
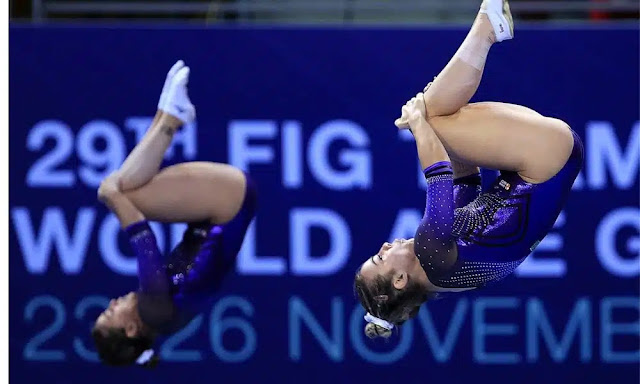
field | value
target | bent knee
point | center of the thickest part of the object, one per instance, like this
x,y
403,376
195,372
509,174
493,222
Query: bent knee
x,y
239,202
555,148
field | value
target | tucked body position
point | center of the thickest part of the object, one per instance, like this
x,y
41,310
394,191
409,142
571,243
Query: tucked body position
x,y
216,200
468,238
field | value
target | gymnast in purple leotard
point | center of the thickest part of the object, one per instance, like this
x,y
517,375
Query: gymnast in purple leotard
x,y
468,238
216,200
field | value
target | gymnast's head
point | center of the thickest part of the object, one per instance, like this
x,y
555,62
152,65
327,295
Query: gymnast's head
x,y
391,287
120,335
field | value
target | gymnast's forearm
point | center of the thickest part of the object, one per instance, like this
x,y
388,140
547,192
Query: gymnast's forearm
x,y
151,273
141,238
126,212
430,148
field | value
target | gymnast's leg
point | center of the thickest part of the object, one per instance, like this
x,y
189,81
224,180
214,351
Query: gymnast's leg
x,y
458,81
505,137
188,192
460,78
490,135
144,161
191,192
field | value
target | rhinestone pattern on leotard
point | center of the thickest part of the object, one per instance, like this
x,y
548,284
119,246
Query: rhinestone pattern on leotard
x,y
476,274
151,270
182,259
433,240
443,225
476,215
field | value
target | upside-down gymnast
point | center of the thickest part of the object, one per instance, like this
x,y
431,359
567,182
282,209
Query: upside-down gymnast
x,y
218,202
468,239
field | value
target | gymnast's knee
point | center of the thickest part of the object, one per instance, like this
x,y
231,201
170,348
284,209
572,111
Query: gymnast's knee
x,y
558,147
565,139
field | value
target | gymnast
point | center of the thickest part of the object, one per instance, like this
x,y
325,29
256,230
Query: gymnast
x,y
216,200
467,238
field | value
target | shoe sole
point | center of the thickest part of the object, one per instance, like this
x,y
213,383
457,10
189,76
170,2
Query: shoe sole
x,y
506,12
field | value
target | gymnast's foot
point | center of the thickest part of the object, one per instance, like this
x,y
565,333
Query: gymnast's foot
x,y
167,83
177,103
499,14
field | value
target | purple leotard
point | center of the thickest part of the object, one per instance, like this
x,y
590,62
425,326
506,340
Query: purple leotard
x,y
175,289
469,239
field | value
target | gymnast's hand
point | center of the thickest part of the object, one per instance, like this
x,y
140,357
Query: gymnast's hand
x,y
109,187
430,148
111,195
416,102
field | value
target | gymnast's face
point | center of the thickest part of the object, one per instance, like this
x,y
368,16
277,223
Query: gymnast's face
x,y
121,314
396,258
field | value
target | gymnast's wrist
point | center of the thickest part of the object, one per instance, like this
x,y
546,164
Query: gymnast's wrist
x,y
109,189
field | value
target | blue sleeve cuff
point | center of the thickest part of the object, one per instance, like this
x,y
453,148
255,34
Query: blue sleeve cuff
x,y
439,168
137,227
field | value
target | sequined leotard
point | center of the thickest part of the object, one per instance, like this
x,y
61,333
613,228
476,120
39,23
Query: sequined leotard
x,y
174,290
468,239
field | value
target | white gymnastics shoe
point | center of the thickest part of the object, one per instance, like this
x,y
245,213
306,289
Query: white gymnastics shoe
x,y
500,17
177,101
167,82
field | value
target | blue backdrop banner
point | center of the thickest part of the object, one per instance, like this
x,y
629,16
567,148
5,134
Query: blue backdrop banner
x,y
309,113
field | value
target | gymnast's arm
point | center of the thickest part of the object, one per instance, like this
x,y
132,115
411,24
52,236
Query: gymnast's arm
x,y
434,241
142,240
155,303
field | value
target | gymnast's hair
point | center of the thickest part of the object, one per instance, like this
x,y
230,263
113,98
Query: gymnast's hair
x,y
382,300
116,349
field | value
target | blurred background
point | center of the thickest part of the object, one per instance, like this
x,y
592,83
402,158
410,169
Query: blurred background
x,y
303,94
314,12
